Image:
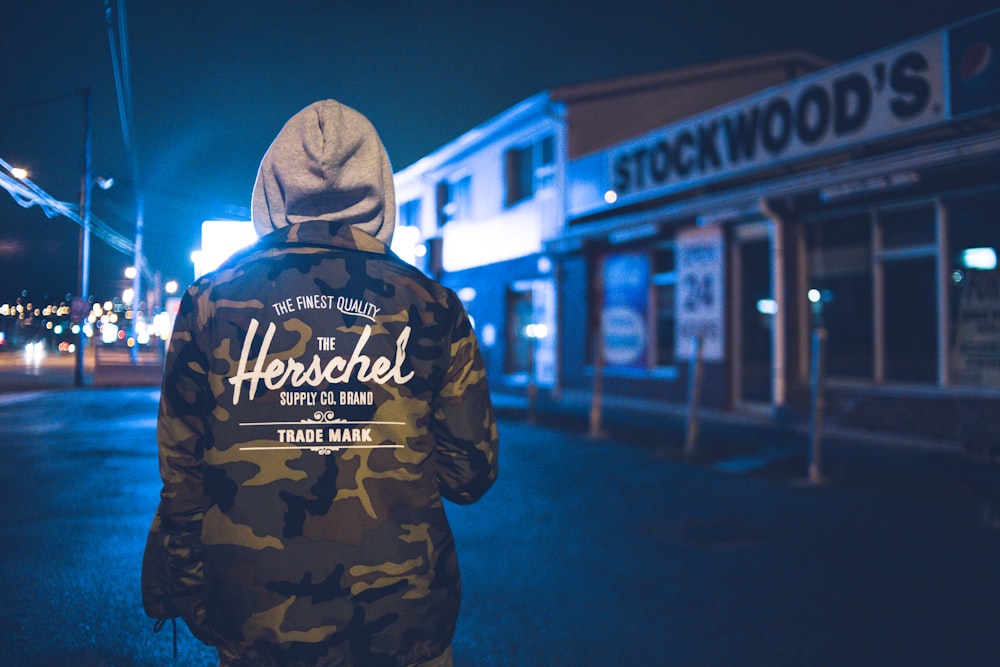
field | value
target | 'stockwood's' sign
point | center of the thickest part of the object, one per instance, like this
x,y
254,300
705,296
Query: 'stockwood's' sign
x,y
895,90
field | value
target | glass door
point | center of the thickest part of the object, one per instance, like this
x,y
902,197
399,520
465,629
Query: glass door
x,y
755,310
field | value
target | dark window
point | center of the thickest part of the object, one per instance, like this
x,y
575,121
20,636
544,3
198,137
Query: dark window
x,y
460,206
453,200
442,198
409,213
547,151
665,294
756,322
520,311
910,320
840,269
909,294
908,227
518,175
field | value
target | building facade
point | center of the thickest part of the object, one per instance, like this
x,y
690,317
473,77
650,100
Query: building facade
x,y
850,217
780,220
480,212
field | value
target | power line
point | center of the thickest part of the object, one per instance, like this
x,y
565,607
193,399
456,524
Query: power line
x,y
42,102
27,193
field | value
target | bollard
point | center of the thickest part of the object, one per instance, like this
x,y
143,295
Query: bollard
x,y
695,371
596,398
817,371
532,394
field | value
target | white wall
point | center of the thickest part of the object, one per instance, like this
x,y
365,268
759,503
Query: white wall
x,y
492,232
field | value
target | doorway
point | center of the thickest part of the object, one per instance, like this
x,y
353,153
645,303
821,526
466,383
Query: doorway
x,y
755,308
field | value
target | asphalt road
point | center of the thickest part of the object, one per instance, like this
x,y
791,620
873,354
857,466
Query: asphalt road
x,y
586,552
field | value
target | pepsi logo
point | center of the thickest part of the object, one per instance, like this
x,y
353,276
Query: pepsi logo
x,y
978,65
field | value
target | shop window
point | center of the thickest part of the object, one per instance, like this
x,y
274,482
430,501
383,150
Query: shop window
x,y
756,320
974,299
910,338
519,316
907,228
908,259
637,310
531,345
625,310
665,294
840,270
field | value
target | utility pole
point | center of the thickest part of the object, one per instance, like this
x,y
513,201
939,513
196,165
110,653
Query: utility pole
x,y
84,278
137,281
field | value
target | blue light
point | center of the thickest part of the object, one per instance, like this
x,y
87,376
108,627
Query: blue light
x,y
984,259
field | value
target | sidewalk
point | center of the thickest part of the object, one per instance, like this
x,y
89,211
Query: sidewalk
x,y
109,368
761,446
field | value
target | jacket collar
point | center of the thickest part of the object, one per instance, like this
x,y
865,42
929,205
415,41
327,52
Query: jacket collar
x,y
323,233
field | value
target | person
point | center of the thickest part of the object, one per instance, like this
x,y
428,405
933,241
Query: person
x,y
320,398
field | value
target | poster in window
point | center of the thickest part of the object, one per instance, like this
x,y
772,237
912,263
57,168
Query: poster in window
x,y
700,298
977,340
626,310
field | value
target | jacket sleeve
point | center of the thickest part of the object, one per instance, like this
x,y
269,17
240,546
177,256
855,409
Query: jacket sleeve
x,y
464,423
173,574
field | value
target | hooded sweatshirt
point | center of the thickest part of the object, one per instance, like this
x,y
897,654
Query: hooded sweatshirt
x,y
327,163
320,399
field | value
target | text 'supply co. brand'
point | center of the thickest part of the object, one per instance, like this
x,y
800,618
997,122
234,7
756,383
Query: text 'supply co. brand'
x,y
305,381
279,373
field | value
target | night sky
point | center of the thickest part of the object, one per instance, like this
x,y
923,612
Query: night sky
x,y
212,82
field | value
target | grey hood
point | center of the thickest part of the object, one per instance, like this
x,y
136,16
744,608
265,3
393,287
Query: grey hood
x,y
327,163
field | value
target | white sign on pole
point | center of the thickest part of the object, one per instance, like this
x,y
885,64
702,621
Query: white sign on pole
x,y
700,299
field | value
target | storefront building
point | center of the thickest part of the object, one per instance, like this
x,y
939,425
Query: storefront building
x,y
856,207
480,212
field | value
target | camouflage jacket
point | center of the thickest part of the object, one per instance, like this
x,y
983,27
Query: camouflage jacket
x,y
320,397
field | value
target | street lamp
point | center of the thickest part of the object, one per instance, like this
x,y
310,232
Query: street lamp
x,y
83,305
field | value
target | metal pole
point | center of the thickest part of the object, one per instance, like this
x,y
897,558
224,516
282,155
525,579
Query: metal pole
x,y
597,395
817,399
84,278
695,371
137,283
532,383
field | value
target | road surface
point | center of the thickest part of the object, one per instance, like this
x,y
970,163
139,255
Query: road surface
x,y
586,552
